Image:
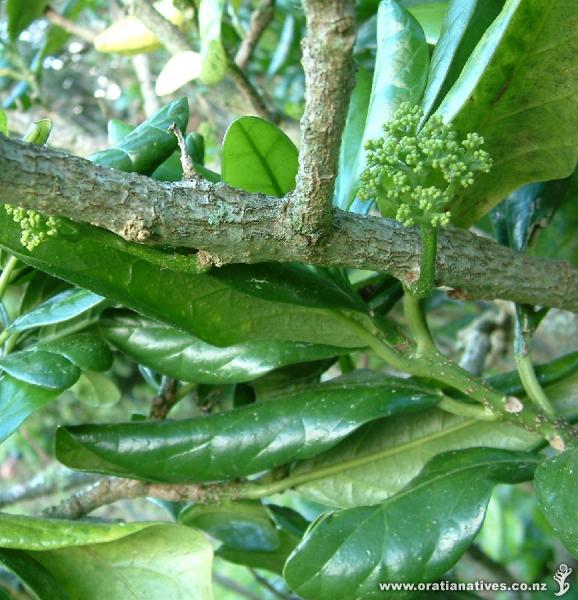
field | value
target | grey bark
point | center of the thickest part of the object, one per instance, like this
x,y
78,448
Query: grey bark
x,y
238,226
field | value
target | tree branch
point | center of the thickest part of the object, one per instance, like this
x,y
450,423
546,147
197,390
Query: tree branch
x,y
260,18
329,75
242,227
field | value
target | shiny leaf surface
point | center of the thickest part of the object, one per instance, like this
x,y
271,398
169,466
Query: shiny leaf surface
x,y
243,441
180,355
242,525
465,23
41,368
400,76
416,535
87,351
149,144
556,486
62,307
18,400
258,157
519,90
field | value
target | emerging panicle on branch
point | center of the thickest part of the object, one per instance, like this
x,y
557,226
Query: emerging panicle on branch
x,y
416,172
35,227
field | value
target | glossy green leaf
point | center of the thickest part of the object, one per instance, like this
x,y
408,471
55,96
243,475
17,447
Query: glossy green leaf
x,y
41,368
258,157
273,561
400,76
518,218
117,130
351,139
519,90
21,14
414,536
559,239
180,355
33,574
18,400
40,288
148,561
381,458
149,144
123,273
87,351
465,23
239,525
214,58
62,307
96,389
243,441
556,485
430,15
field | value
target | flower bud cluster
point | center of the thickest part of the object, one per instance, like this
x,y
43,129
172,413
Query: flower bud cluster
x,y
35,228
420,170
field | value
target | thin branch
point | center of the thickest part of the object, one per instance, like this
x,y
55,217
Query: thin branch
x,y
260,19
112,489
141,66
176,42
243,227
70,26
329,76
163,403
45,483
270,587
235,587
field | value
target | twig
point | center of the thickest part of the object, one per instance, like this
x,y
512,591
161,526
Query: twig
x,y
166,399
493,567
70,26
235,587
270,587
189,171
329,69
112,489
260,19
141,66
44,484
243,227
176,42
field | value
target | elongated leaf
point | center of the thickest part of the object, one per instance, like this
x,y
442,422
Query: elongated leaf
x,y
243,526
214,58
87,351
258,157
150,144
416,535
41,368
21,14
242,441
205,306
400,76
381,458
431,16
148,561
351,141
18,400
556,487
185,357
62,307
465,23
519,89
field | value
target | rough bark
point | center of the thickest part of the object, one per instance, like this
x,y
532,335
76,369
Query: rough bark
x,y
238,226
329,77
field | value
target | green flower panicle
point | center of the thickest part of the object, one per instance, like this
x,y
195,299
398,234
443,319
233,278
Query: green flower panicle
x,y
419,171
35,227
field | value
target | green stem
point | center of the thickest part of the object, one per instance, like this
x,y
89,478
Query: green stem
x,y
6,275
532,385
427,268
415,314
470,411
